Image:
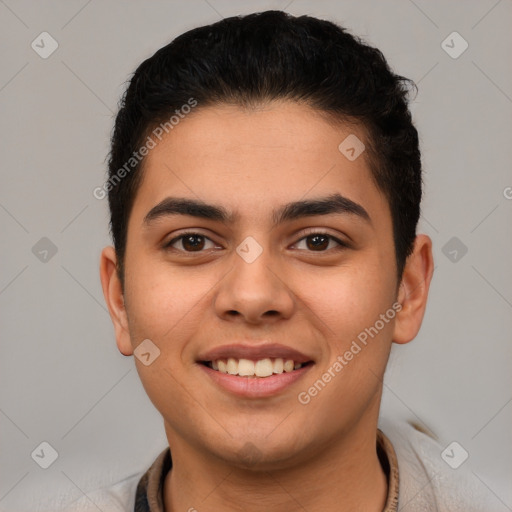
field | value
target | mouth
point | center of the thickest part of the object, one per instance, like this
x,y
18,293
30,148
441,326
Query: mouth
x,y
254,371
260,368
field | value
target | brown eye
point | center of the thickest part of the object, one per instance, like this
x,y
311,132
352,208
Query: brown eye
x,y
321,242
193,242
317,242
190,242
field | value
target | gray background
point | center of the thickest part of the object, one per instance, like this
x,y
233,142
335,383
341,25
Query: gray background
x,y
63,380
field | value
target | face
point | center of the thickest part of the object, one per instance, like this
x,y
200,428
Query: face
x,y
290,257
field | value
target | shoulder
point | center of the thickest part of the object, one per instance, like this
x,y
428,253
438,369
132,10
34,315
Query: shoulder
x,y
119,497
426,481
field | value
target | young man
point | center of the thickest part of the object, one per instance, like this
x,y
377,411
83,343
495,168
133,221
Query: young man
x,y
264,186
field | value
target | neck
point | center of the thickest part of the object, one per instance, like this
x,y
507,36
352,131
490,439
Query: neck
x,y
345,476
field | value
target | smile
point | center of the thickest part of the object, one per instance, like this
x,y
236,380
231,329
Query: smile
x,y
254,370
261,368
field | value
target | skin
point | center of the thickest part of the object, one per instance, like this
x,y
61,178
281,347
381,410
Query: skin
x,y
319,456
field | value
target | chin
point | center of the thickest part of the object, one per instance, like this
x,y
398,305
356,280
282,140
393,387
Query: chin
x,y
256,453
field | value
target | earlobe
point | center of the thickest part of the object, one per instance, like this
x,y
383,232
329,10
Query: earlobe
x,y
113,293
413,291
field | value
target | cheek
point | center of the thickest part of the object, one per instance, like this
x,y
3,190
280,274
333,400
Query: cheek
x,y
353,299
160,301
163,306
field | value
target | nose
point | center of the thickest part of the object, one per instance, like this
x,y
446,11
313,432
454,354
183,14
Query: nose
x,y
254,292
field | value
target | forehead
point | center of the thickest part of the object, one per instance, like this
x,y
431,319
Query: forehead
x,y
248,160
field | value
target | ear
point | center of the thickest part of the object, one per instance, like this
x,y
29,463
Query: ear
x,y
114,298
413,291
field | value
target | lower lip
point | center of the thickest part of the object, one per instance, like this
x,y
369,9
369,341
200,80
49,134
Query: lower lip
x,y
257,387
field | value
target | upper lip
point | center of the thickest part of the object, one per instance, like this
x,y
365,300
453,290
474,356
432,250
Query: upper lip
x,y
255,352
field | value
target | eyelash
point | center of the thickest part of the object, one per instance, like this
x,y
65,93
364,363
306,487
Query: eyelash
x,y
341,245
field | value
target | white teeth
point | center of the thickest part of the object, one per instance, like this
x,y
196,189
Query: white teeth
x,y
261,368
288,366
245,367
232,366
278,365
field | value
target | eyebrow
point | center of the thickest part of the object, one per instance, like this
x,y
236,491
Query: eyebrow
x,y
333,204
